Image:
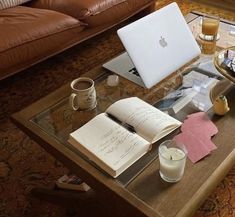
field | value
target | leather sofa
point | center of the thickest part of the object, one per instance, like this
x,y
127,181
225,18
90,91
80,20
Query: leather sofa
x,y
39,29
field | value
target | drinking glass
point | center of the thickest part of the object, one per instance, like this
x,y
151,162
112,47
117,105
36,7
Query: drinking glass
x,y
210,27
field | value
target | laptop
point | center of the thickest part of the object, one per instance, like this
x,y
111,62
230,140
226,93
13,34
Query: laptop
x,y
156,46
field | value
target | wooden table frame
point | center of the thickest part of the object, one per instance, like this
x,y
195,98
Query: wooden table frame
x,y
147,194
133,198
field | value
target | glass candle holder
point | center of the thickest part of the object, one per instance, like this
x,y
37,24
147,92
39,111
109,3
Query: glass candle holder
x,y
172,157
210,27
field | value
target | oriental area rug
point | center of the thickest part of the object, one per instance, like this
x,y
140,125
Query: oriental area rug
x,y
25,165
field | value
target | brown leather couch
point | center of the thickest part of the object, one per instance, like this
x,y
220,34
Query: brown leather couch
x,y
34,31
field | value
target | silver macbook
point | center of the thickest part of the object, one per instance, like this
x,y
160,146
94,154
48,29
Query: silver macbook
x,y
157,45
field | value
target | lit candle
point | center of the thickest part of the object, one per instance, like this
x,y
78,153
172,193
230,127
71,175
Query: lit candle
x,y
172,163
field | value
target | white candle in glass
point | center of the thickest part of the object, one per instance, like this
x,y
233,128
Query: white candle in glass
x,y
172,161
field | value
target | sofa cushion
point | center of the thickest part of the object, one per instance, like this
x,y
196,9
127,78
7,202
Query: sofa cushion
x,y
76,8
101,15
11,3
28,34
94,12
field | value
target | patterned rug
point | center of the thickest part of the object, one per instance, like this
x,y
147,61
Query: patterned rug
x,y
25,165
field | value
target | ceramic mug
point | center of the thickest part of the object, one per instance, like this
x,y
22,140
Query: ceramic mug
x,y
83,96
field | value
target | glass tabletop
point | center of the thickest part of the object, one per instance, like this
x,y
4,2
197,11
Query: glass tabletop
x,y
59,120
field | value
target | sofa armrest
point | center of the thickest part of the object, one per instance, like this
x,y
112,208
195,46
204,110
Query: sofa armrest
x,y
76,8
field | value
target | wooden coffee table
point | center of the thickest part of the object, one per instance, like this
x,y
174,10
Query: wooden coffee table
x,y
139,191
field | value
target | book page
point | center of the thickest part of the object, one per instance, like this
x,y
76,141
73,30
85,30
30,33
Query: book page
x,y
107,142
149,122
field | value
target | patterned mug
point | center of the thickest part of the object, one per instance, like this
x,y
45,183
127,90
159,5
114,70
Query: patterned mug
x,y
83,96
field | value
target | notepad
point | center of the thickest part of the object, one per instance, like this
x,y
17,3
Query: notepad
x,y
196,133
114,140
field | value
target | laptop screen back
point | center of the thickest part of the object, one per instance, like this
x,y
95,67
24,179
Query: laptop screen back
x,y
159,43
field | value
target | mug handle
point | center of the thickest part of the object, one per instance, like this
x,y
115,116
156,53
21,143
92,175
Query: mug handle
x,y
71,101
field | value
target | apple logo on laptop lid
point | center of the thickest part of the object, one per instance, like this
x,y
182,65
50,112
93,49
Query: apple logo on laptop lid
x,y
163,42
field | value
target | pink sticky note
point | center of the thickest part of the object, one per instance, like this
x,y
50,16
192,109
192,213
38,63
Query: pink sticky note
x,y
196,148
203,137
200,124
207,141
195,114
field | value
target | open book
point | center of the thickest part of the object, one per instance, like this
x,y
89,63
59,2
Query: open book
x,y
114,140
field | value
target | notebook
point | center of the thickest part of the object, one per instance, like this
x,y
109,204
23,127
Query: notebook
x,y
156,46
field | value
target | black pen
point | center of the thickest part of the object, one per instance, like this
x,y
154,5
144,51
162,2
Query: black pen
x,y
125,125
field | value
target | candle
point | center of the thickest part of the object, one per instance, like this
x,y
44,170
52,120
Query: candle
x,y
172,161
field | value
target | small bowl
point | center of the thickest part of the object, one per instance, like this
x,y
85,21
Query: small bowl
x,y
219,58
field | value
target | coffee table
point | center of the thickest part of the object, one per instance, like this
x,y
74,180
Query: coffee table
x,y
140,191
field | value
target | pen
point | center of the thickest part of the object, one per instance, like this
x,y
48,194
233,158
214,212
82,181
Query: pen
x,y
125,125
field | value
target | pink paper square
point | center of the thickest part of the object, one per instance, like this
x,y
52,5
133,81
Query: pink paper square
x,y
199,124
196,148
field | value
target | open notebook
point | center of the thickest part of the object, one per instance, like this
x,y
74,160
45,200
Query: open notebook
x,y
114,140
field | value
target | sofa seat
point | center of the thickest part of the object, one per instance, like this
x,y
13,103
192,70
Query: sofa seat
x,y
28,34
39,29
107,14
94,12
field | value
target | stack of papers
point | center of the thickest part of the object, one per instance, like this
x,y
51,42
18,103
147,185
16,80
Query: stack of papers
x,y
196,133
201,84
